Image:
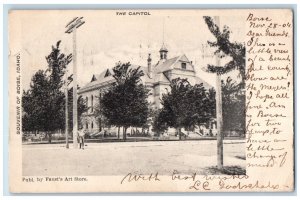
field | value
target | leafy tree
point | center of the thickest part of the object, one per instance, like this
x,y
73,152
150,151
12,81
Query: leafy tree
x,y
234,106
33,103
212,102
43,104
233,101
203,102
57,63
125,103
225,47
175,105
233,97
184,106
159,125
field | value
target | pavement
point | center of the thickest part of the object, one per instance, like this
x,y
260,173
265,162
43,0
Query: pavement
x,y
120,158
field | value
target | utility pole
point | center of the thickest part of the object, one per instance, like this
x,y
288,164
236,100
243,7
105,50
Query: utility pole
x,y
66,84
219,121
71,28
219,111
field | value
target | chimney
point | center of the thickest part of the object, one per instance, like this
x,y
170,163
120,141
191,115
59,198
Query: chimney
x,y
149,65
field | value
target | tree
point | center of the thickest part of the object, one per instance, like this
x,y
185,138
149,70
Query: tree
x,y
184,106
234,105
159,125
224,48
125,103
212,102
203,102
176,105
43,104
34,103
57,64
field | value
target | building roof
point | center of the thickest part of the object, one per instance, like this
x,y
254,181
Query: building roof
x,y
100,80
165,66
159,69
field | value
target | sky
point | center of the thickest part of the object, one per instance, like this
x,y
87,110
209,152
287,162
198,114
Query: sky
x,y
106,38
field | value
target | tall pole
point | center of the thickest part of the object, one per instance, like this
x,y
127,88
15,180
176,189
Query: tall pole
x,y
72,27
75,127
219,121
219,112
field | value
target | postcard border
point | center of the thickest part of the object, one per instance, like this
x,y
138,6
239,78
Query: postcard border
x,y
8,7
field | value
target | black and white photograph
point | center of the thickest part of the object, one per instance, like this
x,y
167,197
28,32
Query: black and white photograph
x,y
144,94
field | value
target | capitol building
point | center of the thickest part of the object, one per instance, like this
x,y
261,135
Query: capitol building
x,y
157,78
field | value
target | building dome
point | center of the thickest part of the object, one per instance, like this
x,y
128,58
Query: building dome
x,y
163,48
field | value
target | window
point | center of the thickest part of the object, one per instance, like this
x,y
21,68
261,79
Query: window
x,y
92,103
86,101
92,125
183,65
86,125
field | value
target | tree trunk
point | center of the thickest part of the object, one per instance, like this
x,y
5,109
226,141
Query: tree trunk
x,y
118,132
49,137
179,132
124,133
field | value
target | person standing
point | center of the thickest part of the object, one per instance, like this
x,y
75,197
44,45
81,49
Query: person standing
x,y
81,139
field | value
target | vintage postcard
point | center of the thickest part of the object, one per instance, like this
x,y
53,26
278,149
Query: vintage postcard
x,y
178,100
